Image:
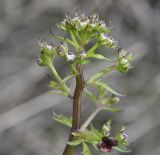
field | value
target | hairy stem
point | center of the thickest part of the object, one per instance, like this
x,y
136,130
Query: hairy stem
x,y
76,109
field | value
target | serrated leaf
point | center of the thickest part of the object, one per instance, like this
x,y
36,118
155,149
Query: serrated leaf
x,y
98,56
86,150
122,148
89,94
74,142
104,85
63,120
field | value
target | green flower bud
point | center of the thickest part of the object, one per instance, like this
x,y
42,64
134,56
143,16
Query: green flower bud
x,y
106,128
124,60
107,41
46,55
114,100
122,53
62,49
122,136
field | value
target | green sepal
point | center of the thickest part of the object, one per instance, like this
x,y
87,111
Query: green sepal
x,y
63,120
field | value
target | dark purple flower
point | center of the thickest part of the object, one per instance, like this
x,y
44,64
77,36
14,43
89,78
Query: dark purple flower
x,y
106,144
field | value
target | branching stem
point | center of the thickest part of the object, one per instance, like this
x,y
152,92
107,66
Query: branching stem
x,y
90,118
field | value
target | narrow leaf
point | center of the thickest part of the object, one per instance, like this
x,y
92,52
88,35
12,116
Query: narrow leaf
x,y
89,94
63,120
86,150
68,78
104,85
122,148
95,132
112,109
99,56
58,92
74,142
66,40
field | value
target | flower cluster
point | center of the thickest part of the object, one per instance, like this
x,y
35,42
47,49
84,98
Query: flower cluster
x,y
124,59
47,53
88,27
106,143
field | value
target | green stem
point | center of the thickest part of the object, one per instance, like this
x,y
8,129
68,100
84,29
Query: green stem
x,y
73,38
90,118
76,109
58,78
93,48
94,77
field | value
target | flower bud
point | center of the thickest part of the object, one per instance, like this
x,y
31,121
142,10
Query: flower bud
x,y
122,53
84,23
123,136
114,100
107,41
106,128
46,55
70,56
62,49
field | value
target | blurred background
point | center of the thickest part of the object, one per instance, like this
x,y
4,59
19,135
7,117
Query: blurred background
x,y
26,125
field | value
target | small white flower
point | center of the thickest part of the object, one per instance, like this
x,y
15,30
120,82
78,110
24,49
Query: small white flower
x,y
70,56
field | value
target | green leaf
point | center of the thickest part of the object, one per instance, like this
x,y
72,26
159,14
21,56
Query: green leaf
x,y
101,73
63,120
74,142
122,148
68,77
112,109
66,40
104,85
89,94
86,136
56,86
58,92
98,56
95,132
83,61
86,150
